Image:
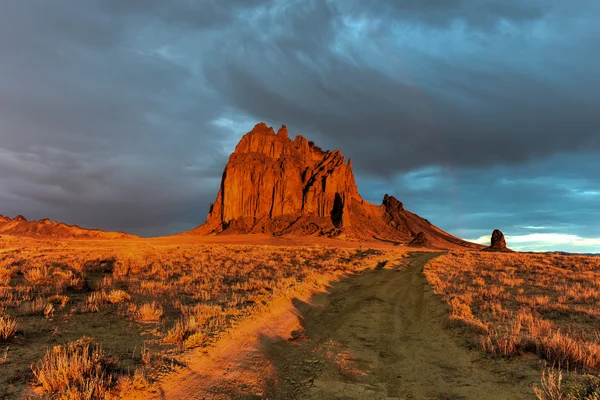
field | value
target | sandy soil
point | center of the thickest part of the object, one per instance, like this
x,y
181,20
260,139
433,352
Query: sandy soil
x,y
378,335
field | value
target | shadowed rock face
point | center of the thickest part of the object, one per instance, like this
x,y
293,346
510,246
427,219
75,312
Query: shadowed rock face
x,y
272,184
392,204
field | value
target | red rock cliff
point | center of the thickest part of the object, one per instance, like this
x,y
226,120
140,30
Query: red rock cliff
x,y
272,184
270,176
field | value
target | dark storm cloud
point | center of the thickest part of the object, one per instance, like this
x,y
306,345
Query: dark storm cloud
x,y
446,93
99,128
120,114
483,14
555,196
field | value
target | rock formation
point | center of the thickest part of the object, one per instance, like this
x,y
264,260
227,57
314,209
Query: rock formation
x,y
275,185
44,228
497,242
271,180
419,240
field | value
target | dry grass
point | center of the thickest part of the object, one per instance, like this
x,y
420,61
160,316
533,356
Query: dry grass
x,y
526,303
550,387
8,327
38,275
5,276
161,297
148,312
118,296
579,387
78,370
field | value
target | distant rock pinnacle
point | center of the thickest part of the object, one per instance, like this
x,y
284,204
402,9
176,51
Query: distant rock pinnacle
x,y
498,243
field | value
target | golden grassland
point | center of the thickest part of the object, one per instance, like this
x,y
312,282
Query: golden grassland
x,y
95,319
516,303
91,319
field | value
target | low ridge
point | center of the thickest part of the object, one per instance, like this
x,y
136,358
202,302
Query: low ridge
x,y
275,185
20,226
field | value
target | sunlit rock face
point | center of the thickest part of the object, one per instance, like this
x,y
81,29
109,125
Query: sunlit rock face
x,y
44,228
268,176
273,184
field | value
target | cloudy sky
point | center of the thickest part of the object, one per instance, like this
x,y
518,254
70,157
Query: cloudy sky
x,y
477,114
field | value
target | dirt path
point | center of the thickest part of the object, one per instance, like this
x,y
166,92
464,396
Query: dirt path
x,y
381,335
376,335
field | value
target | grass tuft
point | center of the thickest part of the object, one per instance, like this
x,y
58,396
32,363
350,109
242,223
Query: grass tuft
x,y
8,327
148,312
78,370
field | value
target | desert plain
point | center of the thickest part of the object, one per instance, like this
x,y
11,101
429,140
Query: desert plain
x,y
253,316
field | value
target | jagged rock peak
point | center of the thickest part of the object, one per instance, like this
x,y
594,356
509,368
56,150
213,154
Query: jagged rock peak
x,y
263,141
261,126
392,204
20,218
283,131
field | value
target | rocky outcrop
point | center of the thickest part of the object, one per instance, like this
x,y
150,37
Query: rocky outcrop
x,y
419,240
498,243
44,228
273,184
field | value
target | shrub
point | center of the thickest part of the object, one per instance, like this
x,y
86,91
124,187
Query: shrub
x,y
550,386
58,299
576,387
185,334
5,276
118,296
8,327
194,340
67,279
38,276
94,301
78,370
148,312
34,307
583,387
49,310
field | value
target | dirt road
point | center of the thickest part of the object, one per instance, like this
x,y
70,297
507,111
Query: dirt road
x,y
377,335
